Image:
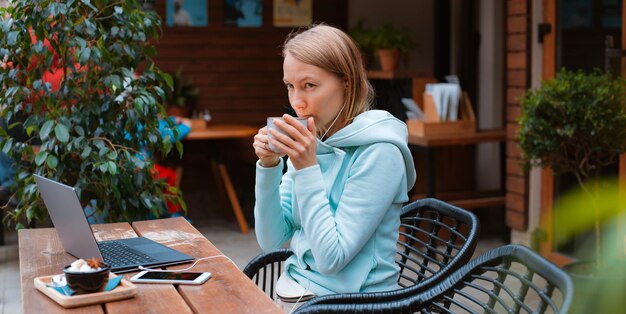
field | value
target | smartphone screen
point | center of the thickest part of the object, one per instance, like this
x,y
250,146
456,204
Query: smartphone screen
x,y
170,276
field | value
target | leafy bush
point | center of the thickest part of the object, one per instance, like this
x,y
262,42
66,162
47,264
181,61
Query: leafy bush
x,y
575,123
94,125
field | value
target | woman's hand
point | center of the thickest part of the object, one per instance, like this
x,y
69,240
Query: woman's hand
x,y
300,142
268,157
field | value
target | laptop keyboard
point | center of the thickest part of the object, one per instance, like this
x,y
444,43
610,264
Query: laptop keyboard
x,y
119,254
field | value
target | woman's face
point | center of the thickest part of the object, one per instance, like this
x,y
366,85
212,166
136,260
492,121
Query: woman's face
x,y
313,91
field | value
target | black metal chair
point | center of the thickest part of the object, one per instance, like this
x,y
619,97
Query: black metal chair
x,y
508,279
265,269
435,239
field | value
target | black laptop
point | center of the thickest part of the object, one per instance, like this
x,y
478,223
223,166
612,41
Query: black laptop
x,y
70,222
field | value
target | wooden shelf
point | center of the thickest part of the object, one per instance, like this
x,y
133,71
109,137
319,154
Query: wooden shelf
x,y
466,200
475,200
469,200
497,135
390,75
479,202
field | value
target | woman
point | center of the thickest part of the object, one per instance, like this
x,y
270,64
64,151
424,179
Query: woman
x,y
348,173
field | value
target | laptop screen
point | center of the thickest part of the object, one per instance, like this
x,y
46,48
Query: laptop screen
x,y
68,218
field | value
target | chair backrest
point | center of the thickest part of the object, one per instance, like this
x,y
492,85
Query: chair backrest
x,y
508,279
436,238
266,268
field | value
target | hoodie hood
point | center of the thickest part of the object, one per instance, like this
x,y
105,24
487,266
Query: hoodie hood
x,y
374,126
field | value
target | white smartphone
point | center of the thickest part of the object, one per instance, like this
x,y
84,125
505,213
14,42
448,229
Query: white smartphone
x,y
185,278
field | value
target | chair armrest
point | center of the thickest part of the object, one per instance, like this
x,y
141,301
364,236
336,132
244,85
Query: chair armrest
x,y
264,259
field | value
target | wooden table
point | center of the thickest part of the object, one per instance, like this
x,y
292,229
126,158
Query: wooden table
x,y
228,291
213,132
427,144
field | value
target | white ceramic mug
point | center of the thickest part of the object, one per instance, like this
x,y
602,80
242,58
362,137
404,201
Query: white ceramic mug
x,y
271,126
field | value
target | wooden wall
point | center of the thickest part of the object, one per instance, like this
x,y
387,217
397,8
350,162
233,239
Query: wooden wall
x,y
238,70
239,74
518,36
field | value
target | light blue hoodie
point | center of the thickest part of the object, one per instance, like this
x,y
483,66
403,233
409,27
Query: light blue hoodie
x,y
341,215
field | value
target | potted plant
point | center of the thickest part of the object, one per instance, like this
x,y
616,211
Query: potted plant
x,y
182,97
363,36
82,75
576,124
390,42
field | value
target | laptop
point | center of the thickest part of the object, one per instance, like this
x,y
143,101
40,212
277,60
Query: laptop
x,y
70,222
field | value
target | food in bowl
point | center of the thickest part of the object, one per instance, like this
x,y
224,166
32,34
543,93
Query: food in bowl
x,y
87,276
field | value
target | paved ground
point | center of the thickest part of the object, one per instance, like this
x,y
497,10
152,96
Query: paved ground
x,y
223,234
9,276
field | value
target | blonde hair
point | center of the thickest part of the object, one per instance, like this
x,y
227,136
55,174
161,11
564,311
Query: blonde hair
x,y
333,50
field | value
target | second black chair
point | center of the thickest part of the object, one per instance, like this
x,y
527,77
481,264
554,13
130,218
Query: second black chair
x,y
508,279
435,239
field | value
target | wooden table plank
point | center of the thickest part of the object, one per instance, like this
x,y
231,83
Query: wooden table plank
x,y
228,291
41,254
150,298
113,231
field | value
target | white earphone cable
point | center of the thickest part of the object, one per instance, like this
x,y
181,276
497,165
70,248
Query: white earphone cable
x,y
185,269
295,306
331,125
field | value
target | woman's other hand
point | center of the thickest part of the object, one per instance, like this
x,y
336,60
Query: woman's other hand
x,y
300,142
268,157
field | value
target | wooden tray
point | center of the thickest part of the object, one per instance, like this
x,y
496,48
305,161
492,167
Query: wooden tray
x,y
123,291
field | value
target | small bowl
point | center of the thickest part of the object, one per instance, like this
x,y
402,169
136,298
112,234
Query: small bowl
x,y
87,282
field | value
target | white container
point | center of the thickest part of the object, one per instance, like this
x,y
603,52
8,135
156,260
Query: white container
x,y
271,126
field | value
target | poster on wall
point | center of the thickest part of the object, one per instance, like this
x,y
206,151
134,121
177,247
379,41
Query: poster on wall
x,y
288,13
187,13
243,13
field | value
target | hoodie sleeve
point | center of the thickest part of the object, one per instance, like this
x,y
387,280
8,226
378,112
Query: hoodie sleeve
x,y
375,180
273,222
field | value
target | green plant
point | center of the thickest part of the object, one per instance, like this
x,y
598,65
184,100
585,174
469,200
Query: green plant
x,y
388,36
599,289
363,36
575,123
183,92
82,74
